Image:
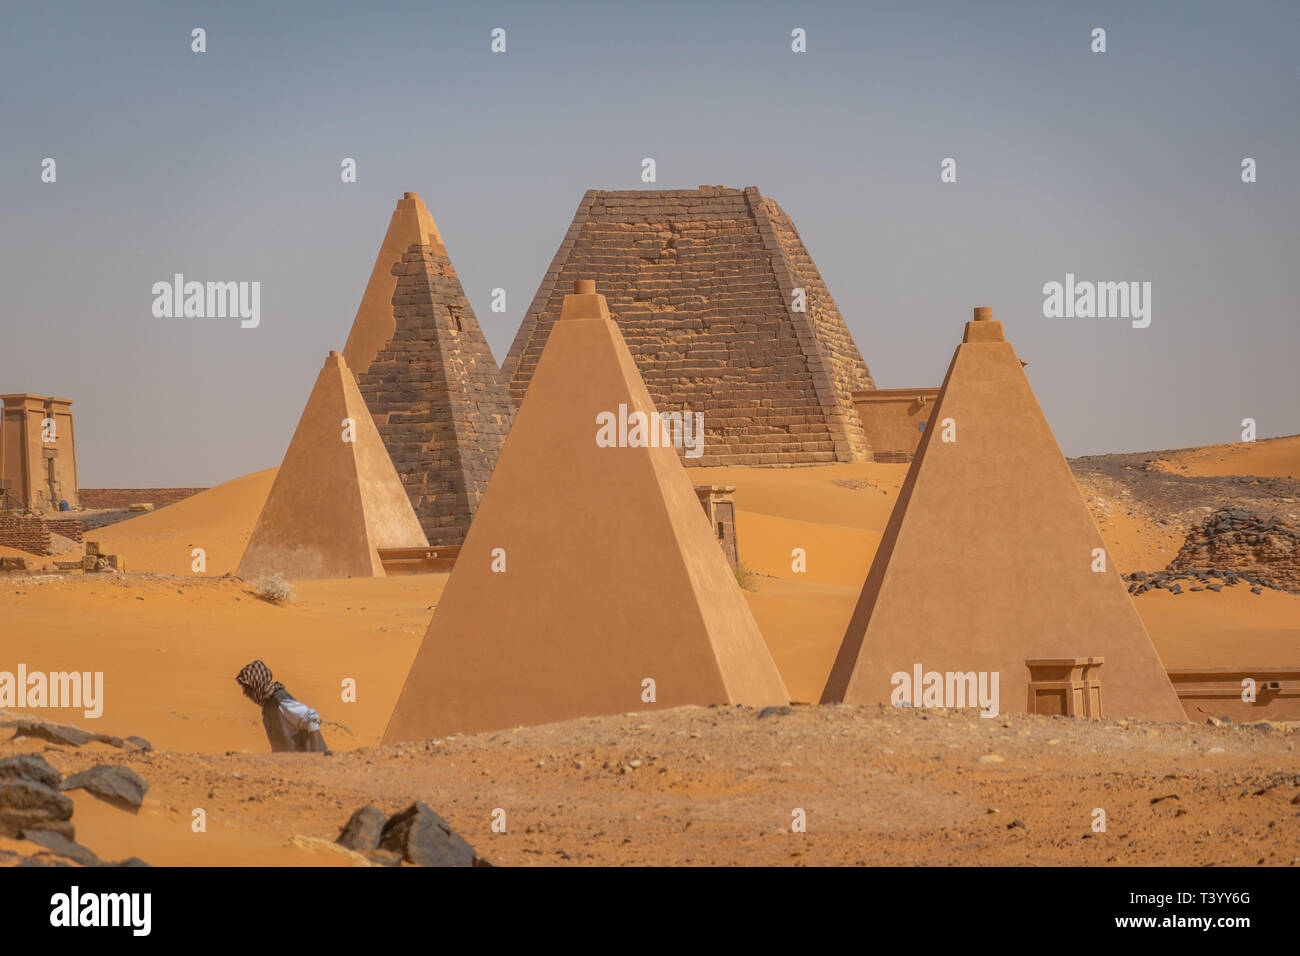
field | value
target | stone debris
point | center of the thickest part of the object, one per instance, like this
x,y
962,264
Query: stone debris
x,y
422,837
1234,544
27,805
363,830
29,767
120,786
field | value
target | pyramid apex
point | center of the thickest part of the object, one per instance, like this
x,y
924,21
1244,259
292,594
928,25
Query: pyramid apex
x,y
410,195
982,328
584,302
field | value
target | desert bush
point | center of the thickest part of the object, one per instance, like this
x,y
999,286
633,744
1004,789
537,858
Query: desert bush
x,y
745,577
274,588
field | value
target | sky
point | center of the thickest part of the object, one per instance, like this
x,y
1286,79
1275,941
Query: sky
x,y
225,165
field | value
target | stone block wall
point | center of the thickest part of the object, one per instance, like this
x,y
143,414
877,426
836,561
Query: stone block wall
x,y
437,396
701,284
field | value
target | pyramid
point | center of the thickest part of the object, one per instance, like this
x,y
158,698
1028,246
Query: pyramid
x,y
612,573
987,559
333,503
428,376
702,284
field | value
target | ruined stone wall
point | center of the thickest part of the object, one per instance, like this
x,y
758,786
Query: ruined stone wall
x,y
700,284
94,499
437,396
67,527
894,419
26,534
1233,539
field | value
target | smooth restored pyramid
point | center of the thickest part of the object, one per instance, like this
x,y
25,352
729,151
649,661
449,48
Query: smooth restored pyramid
x,y
988,562
428,376
336,499
725,313
590,577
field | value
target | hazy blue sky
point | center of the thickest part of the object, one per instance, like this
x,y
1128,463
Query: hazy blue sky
x,y
225,166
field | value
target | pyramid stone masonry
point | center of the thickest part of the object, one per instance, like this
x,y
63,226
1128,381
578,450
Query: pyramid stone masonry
x,y
990,559
336,499
428,376
589,569
702,284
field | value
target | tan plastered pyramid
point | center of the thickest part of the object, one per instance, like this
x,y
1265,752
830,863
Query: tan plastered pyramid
x,y
988,557
334,503
612,574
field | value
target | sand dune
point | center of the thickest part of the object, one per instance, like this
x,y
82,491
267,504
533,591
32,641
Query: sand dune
x,y
218,520
1268,458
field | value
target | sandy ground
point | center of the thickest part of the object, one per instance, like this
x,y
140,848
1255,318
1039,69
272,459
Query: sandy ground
x,y
722,786
169,642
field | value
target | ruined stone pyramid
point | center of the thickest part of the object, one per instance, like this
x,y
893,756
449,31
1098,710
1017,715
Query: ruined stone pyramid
x,y
588,571
987,560
428,376
334,502
702,285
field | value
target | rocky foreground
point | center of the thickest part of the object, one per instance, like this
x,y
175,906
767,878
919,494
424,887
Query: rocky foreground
x,y
803,785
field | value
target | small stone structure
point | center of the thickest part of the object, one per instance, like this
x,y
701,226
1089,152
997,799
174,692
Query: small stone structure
x,y
720,508
38,453
725,314
1065,686
1218,692
893,419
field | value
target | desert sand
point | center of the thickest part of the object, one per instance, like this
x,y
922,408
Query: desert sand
x,y
1270,457
170,641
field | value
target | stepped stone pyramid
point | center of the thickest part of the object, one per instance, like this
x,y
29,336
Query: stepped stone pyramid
x,y
702,283
428,376
588,570
334,502
987,560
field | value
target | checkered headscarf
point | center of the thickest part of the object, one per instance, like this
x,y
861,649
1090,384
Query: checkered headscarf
x,y
257,678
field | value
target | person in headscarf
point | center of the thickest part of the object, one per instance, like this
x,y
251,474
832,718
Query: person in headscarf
x,y
290,724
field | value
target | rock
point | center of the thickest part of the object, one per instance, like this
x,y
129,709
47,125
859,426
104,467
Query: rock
x,y
120,786
426,839
29,767
140,743
383,858
991,758
27,805
67,736
60,845
363,830
54,733
776,710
